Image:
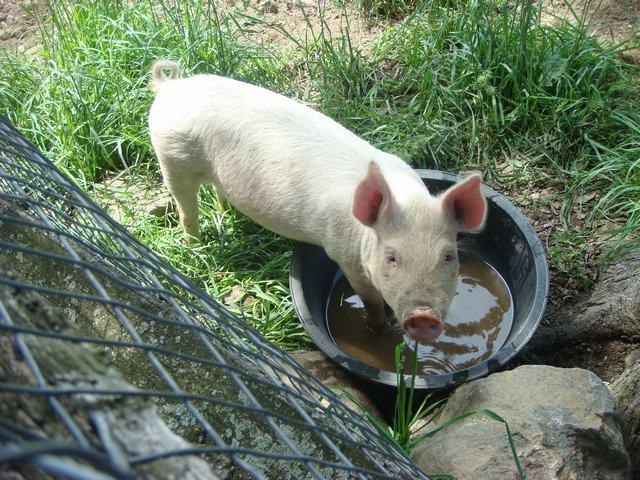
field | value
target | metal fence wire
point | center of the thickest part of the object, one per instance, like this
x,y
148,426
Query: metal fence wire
x,y
113,365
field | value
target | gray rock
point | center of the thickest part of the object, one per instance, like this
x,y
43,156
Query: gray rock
x,y
595,330
564,422
611,311
626,390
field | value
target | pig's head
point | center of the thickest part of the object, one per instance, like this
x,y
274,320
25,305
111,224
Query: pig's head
x,y
410,253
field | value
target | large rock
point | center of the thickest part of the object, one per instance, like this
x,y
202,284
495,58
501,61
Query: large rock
x,y
597,329
626,390
564,423
610,311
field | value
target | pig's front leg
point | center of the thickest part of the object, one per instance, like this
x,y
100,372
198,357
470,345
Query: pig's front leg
x,y
373,302
377,320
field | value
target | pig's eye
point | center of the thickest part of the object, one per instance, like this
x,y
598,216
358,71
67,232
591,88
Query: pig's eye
x,y
390,259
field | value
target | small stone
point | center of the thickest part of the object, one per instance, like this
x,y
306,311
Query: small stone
x,y
248,300
270,6
237,292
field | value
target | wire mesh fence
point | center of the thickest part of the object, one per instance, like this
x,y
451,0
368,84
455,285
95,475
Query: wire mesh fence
x,y
113,365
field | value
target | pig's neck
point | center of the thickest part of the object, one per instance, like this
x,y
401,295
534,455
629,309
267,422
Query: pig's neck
x,y
367,250
347,243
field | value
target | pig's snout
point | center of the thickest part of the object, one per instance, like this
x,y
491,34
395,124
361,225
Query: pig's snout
x,y
422,324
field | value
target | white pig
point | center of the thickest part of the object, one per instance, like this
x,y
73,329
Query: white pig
x,y
302,175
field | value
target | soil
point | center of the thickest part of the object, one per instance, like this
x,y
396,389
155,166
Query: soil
x,y
302,18
18,28
606,360
612,20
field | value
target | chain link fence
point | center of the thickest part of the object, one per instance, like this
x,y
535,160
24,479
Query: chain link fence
x,y
113,365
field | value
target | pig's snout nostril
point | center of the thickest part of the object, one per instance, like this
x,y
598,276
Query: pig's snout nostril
x,y
422,325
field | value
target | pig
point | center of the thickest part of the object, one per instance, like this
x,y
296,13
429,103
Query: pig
x,y
302,175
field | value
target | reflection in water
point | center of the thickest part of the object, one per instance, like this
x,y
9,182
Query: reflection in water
x,y
477,325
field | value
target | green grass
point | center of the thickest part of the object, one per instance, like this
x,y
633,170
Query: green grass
x,y
451,85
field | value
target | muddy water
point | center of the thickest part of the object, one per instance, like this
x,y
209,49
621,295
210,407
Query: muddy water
x,y
477,325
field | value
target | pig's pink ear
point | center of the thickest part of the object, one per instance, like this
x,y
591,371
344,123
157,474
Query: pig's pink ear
x,y
465,202
372,196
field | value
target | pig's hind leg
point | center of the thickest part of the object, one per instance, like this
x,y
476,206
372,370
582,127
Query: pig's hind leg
x,y
184,187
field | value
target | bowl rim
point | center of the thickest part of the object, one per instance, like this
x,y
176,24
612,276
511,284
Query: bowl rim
x,y
445,380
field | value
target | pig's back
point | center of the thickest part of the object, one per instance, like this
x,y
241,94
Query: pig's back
x,y
290,168
210,106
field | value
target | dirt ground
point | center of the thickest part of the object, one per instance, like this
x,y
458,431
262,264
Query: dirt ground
x,y
615,20
17,26
297,15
